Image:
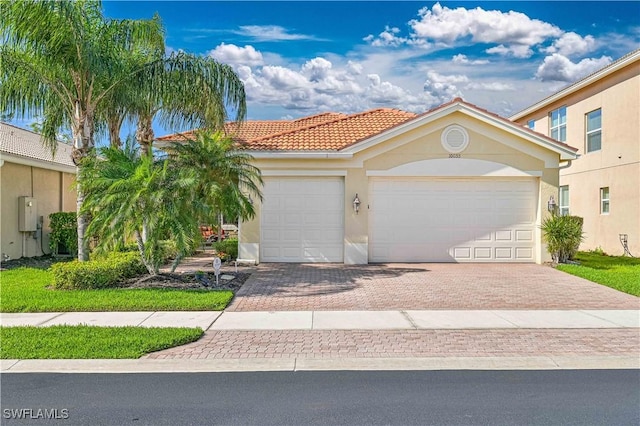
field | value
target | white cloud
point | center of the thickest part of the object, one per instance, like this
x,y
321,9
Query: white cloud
x,y
443,87
235,55
462,59
560,68
515,50
492,86
447,25
270,33
388,37
572,44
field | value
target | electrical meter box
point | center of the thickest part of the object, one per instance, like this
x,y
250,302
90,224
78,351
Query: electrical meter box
x,y
28,214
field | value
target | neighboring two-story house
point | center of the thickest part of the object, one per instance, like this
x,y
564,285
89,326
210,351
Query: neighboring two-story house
x,y
600,116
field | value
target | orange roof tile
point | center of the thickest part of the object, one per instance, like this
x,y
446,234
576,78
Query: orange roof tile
x,y
331,131
328,131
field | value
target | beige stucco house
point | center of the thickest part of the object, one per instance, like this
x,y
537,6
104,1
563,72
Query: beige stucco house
x,y
600,117
33,184
455,184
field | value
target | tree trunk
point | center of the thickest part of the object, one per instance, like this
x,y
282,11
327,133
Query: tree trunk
x,y
83,222
140,244
115,124
144,134
82,129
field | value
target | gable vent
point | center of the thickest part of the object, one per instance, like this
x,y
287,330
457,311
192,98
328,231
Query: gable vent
x,y
455,139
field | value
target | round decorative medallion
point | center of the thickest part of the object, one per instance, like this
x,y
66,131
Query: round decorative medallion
x,y
454,138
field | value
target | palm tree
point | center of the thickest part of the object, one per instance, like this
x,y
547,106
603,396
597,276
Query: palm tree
x,y
128,191
226,179
65,61
61,60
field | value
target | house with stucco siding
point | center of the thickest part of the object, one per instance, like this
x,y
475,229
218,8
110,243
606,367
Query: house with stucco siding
x,y
33,184
454,184
599,116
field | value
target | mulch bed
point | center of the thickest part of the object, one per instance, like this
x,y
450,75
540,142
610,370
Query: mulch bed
x,y
40,262
184,281
188,281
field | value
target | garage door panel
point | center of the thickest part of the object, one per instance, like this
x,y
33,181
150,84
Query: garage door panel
x,y
524,235
444,220
302,220
524,253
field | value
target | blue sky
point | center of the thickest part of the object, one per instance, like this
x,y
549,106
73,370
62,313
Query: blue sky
x,y
299,58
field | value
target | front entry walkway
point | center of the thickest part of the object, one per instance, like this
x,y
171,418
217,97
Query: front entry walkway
x,y
338,287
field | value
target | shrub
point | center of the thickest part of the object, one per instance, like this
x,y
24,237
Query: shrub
x,y
563,235
229,247
97,273
64,232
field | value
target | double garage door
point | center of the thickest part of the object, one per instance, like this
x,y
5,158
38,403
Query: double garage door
x,y
452,220
410,219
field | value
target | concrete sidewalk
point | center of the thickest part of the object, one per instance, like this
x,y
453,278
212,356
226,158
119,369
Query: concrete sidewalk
x,y
363,340
341,320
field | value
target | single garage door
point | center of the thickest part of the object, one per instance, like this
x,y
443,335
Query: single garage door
x,y
302,219
452,220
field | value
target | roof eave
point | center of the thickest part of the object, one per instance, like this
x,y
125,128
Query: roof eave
x,y
336,155
566,153
580,84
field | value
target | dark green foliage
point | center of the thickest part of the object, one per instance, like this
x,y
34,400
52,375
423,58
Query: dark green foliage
x,y
64,231
97,273
563,235
229,247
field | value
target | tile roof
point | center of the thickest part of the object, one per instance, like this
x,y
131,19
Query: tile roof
x,y
329,131
29,145
336,131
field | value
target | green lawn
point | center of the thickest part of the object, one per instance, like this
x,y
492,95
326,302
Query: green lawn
x,y
621,273
90,342
24,290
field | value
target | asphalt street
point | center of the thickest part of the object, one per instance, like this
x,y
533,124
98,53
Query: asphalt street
x,y
565,397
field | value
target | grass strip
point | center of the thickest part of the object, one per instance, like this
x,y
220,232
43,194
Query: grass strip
x,y
25,290
90,342
618,272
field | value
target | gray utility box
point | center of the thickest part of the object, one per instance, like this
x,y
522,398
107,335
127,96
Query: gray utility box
x,y
28,214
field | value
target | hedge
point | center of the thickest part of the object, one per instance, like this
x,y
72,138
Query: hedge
x,y
227,249
99,273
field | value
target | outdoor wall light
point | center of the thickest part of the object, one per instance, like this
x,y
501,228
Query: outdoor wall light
x,y
551,204
356,204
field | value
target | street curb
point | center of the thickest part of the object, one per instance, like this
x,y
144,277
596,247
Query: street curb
x,y
318,364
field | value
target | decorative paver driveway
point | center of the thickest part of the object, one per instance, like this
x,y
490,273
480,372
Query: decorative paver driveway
x,y
317,287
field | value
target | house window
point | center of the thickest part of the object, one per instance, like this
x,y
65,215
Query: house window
x,y
531,124
594,130
563,206
604,200
558,129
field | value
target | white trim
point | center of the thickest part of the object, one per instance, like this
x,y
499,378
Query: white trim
x,y
566,153
610,69
454,167
304,172
444,139
32,162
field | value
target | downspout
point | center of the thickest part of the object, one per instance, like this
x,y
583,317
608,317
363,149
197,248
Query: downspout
x,y
566,165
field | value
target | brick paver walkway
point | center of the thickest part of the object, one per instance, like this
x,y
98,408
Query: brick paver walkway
x,y
296,287
407,343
